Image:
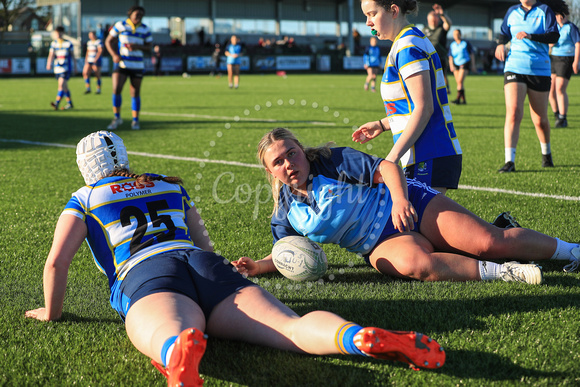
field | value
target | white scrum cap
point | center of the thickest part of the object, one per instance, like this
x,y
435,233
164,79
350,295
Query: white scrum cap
x,y
100,153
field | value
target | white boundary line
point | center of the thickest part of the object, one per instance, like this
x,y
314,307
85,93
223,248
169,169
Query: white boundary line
x,y
236,118
245,165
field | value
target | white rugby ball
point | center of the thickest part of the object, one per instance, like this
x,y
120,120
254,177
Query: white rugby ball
x,y
299,259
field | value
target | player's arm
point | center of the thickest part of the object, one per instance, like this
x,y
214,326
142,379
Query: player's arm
x,y
451,63
111,45
140,47
370,130
403,213
99,52
72,58
576,57
473,65
50,59
444,18
197,231
419,86
68,236
248,267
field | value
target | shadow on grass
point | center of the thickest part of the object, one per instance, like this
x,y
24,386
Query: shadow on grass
x,y
490,367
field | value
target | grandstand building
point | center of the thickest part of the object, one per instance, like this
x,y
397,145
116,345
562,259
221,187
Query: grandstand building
x,y
190,28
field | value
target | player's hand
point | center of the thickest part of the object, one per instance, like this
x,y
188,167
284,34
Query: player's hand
x,y
404,215
575,67
438,9
247,267
451,68
116,58
39,314
500,52
523,35
367,132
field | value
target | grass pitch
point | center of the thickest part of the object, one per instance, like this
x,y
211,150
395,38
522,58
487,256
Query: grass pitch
x,y
495,333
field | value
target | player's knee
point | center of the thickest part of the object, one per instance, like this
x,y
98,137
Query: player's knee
x,y
420,266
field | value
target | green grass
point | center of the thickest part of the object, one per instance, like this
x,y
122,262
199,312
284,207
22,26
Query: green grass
x,y
494,333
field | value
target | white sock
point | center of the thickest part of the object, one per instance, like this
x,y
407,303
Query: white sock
x,y
169,352
510,155
546,149
563,250
489,271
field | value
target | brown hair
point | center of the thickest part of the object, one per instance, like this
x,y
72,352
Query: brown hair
x,y
406,6
144,177
312,154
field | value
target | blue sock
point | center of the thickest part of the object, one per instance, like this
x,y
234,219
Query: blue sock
x,y
117,100
59,96
136,104
344,339
98,83
168,343
88,83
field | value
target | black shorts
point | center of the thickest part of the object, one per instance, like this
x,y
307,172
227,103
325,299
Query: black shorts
x,y
205,277
465,66
130,73
534,82
562,66
441,172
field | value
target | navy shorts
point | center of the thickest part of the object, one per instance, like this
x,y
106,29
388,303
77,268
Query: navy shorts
x,y
419,195
205,277
440,172
65,75
562,66
533,82
98,63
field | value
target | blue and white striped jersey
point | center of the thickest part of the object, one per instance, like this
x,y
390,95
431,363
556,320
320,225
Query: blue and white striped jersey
x,y
343,207
93,50
528,57
128,222
569,36
410,54
372,56
128,33
63,55
460,52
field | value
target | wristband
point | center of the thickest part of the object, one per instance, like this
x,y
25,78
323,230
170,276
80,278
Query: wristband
x,y
382,126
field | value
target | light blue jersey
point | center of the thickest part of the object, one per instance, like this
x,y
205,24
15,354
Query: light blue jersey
x,y
128,33
234,49
372,56
526,56
569,36
412,53
63,55
343,207
460,52
128,222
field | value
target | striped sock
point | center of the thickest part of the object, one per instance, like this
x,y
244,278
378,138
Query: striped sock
x,y
344,339
167,349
